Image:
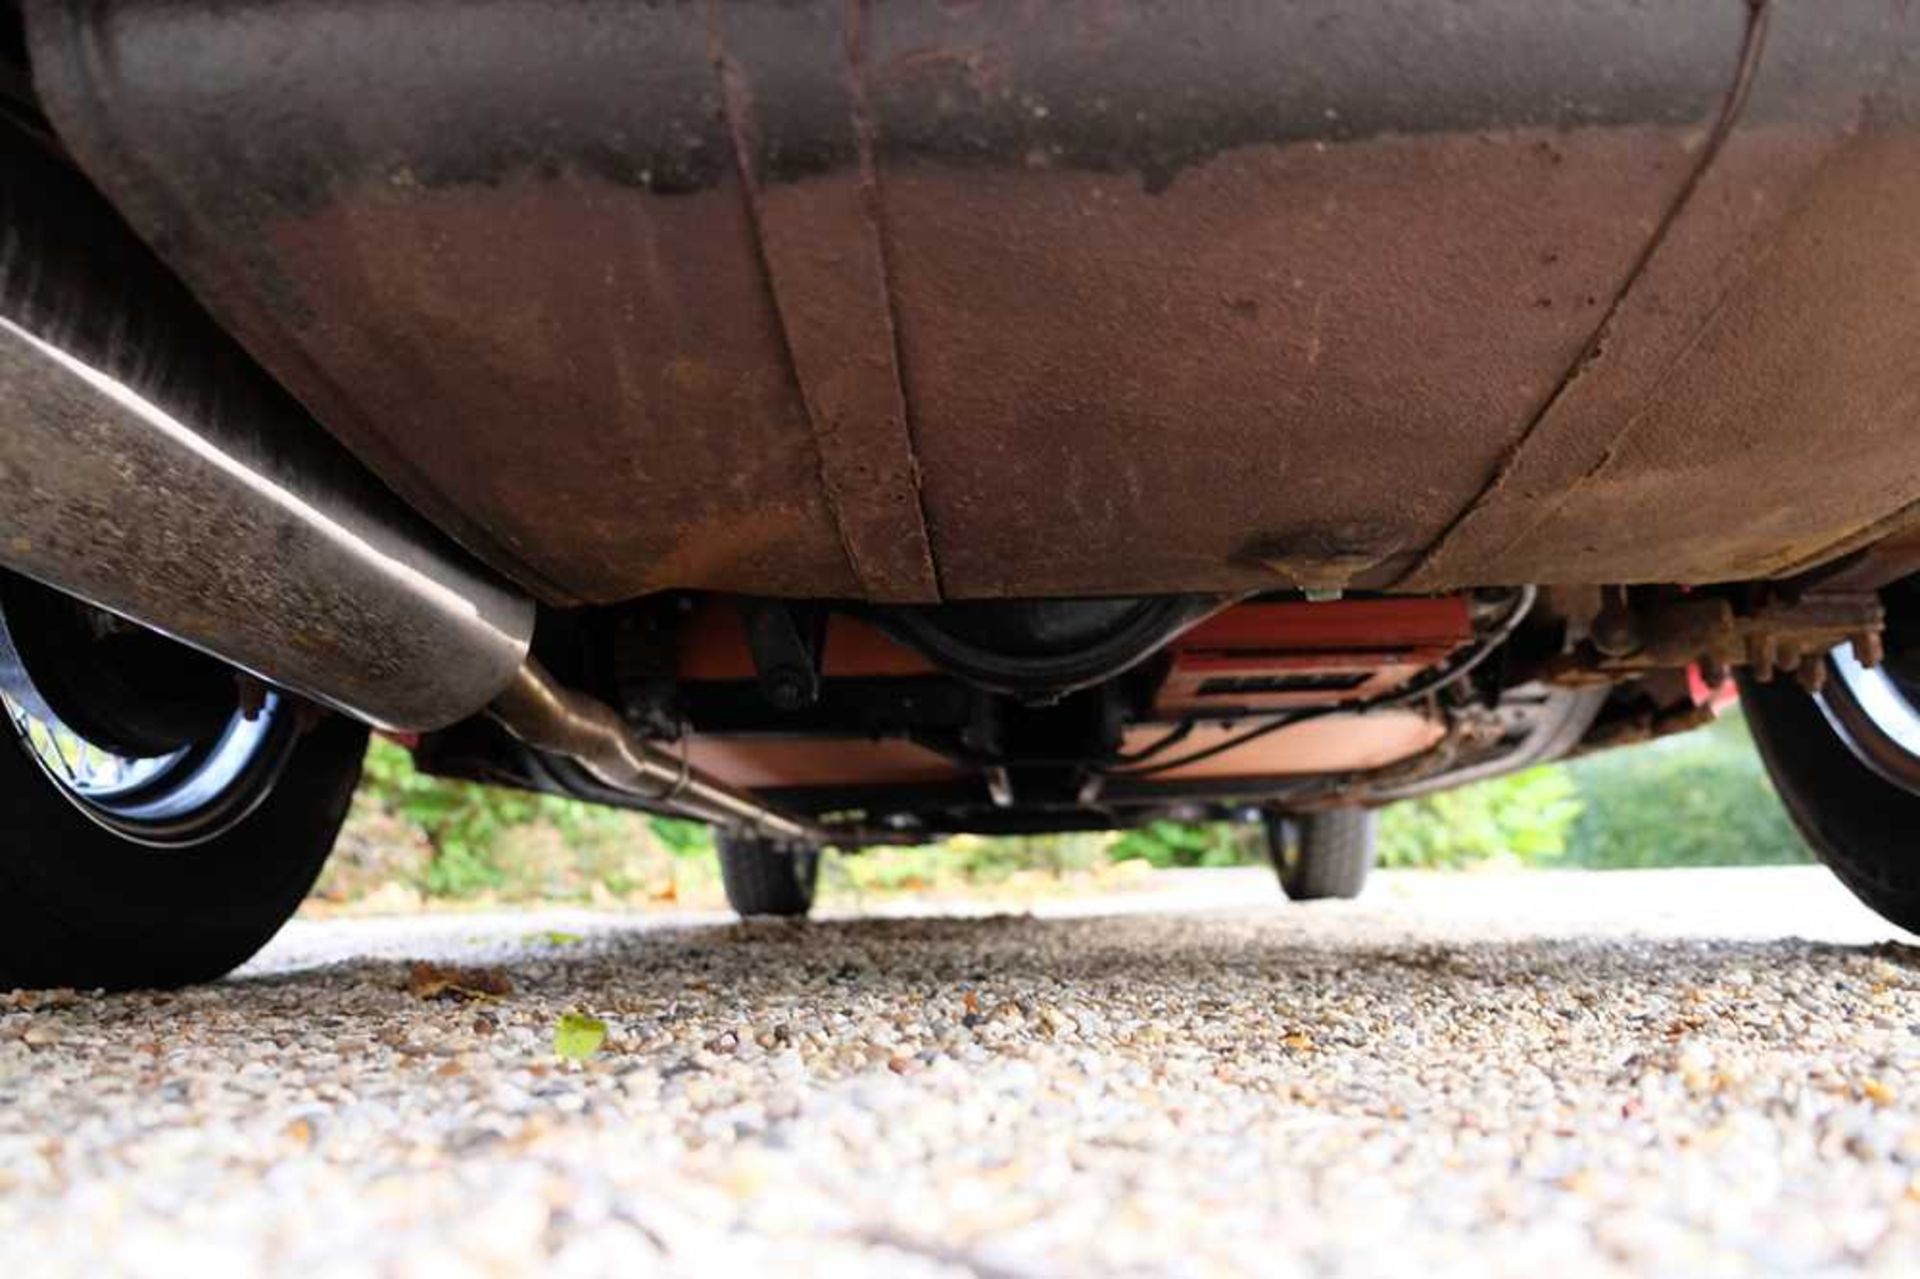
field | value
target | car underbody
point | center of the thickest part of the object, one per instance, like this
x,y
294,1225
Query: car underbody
x,y
862,421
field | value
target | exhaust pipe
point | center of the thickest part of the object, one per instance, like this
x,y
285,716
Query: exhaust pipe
x,y
236,540
148,467
559,721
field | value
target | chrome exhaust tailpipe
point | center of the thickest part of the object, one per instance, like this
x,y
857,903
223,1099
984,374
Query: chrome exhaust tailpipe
x,y
148,467
239,542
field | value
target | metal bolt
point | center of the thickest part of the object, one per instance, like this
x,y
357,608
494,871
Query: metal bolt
x,y
1869,649
786,688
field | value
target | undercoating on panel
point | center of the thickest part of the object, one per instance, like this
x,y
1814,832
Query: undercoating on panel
x,y
915,300
1749,408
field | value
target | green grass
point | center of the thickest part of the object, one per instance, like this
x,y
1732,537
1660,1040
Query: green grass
x,y
1700,799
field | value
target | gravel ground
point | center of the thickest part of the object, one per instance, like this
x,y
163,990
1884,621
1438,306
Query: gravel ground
x,y
1420,1081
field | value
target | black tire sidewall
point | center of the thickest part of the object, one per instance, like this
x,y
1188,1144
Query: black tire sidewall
x,y
761,878
1334,852
83,907
1863,827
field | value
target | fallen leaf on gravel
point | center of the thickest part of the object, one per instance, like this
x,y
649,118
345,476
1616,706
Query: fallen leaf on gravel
x,y
446,981
1878,1093
577,1036
43,1034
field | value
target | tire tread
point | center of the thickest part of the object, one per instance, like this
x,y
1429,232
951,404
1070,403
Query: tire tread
x,y
763,878
1336,853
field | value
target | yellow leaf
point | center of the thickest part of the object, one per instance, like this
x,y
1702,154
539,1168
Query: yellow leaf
x,y
577,1036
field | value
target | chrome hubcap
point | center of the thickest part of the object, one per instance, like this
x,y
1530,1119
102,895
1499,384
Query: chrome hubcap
x,y
175,800
76,763
186,792
1875,715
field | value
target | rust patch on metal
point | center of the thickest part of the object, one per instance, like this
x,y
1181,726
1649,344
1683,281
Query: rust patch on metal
x,y
594,378
1753,44
1748,414
1702,260
820,245
1261,376
1181,298
1785,420
1773,636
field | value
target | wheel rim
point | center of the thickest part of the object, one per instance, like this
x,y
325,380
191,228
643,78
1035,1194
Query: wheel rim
x,y
170,801
1875,715
174,799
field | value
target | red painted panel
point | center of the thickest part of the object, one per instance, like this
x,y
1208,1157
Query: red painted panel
x,y
1263,656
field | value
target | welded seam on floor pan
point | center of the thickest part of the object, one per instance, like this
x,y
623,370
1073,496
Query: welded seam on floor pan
x,y
873,198
835,314
1752,44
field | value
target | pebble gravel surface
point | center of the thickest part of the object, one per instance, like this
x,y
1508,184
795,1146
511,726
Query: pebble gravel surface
x,y
1378,1087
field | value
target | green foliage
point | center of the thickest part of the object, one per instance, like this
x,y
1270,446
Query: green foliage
x,y
1527,816
467,825
461,821
1191,844
1701,799
685,839
1697,800
1050,854
973,861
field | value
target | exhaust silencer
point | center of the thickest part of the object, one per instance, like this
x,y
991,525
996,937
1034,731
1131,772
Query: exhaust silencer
x,y
147,466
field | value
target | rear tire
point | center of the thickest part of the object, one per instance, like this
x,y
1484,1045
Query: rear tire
x,y
767,877
1862,826
84,907
1322,855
